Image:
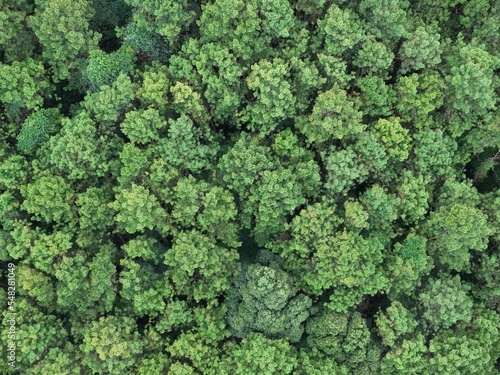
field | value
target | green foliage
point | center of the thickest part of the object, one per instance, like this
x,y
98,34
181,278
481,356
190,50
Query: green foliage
x,y
108,15
373,57
265,300
342,261
306,80
16,40
104,68
420,94
408,357
343,170
381,208
394,137
142,126
471,87
211,209
111,101
422,50
63,31
333,117
78,150
227,187
243,163
340,30
110,345
145,42
274,102
187,147
134,161
314,363
48,198
309,230
344,338
434,153
154,88
137,209
153,365
36,332
141,285
59,360
167,19
92,208
199,344
23,84
35,129
46,249
395,323
407,264
257,354
187,100
488,271
351,265
454,230
413,197
198,267
387,17
472,349
37,286
13,172
376,96
85,286
277,195
445,302
268,194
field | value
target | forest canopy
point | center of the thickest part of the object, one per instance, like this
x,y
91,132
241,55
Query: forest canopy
x,y
266,187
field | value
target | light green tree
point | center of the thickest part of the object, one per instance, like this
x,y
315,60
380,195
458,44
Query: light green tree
x,y
168,19
79,150
36,333
419,95
142,126
445,301
374,57
154,89
407,264
137,209
111,101
340,30
187,147
48,198
257,354
408,357
470,78
23,84
395,323
64,33
199,268
211,209
387,19
455,229
274,101
110,344
422,50
394,137
334,116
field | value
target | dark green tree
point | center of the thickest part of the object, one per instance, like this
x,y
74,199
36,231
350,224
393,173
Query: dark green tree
x,y
265,300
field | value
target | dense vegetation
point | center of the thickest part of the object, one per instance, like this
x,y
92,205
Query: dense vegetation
x,y
238,187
